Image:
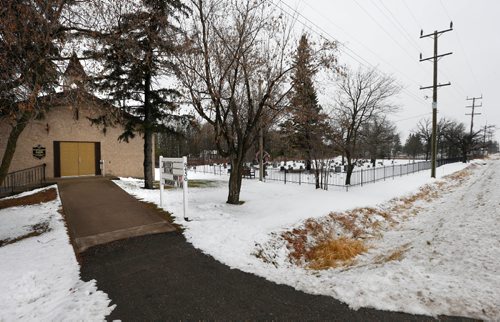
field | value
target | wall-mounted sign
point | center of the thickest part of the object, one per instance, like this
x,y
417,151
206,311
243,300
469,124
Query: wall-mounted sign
x,y
39,151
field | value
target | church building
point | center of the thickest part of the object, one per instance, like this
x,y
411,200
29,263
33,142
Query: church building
x,y
66,140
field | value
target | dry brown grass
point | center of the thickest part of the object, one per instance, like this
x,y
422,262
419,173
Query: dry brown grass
x,y
317,245
395,255
296,244
335,252
459,176
39,197
36,230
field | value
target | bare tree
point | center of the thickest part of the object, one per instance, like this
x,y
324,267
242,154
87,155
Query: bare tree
x,y
31,39
377,138
424,133
236,73
362,96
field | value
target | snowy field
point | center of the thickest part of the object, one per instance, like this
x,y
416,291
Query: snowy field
x,y
39,276
450,263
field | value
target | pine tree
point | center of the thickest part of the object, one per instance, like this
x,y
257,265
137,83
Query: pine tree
x,y
307,123
413,145
136,57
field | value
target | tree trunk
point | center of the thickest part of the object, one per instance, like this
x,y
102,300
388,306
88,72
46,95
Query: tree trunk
x,y
308,164
350,168
235,180
11,145
316,174
148,135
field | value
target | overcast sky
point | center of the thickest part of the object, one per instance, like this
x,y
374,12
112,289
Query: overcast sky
x,y
385,33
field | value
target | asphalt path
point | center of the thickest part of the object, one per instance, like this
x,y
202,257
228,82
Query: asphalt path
x,y
163,277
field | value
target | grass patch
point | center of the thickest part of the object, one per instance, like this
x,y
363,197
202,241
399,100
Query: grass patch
x,y
336,239
395,255
39,197
36,230
165,214
334,253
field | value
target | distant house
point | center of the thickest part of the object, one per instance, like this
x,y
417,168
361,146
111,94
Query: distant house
x,y
67,142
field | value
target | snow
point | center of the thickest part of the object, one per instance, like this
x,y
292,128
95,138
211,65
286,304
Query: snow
x,y
450,263
39,276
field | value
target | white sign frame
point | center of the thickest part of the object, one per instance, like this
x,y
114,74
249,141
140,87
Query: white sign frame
x,y
171,169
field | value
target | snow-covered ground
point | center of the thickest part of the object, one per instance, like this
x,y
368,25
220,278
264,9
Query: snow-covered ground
x,y
451,247
39,276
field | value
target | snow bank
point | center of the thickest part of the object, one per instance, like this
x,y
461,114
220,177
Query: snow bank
x,y
39,276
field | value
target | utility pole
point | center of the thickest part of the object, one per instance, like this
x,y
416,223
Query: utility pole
x,y
435,35
484,140
473,106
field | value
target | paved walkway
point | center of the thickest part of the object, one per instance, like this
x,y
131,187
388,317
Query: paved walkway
x,y
163,277
99,212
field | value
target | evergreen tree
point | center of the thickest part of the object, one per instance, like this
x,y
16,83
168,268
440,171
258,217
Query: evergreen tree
x,y
306,125
137,61
413,145
396,145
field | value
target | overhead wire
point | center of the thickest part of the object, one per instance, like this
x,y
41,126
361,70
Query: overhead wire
x,y
384,30
342,46
457,34
417,23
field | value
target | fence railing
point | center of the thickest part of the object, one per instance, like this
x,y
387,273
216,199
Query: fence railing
x,y
358,178
217,169
334,177
22,179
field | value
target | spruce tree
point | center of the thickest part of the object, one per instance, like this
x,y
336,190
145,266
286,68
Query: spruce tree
x,y
306,124
137,62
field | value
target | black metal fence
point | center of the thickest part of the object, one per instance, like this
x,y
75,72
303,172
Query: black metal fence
x,y
336,178
217,169
23,179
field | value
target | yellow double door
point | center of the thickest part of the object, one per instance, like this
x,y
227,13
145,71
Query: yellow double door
x,y
77,159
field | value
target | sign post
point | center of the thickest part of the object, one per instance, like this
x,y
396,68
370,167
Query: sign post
x,y
185,187
174,170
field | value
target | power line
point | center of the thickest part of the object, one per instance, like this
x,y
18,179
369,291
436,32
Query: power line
x,y
412,117
461,46
384,30
458,86
363,45
349,52
412,15
392,18
456,92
